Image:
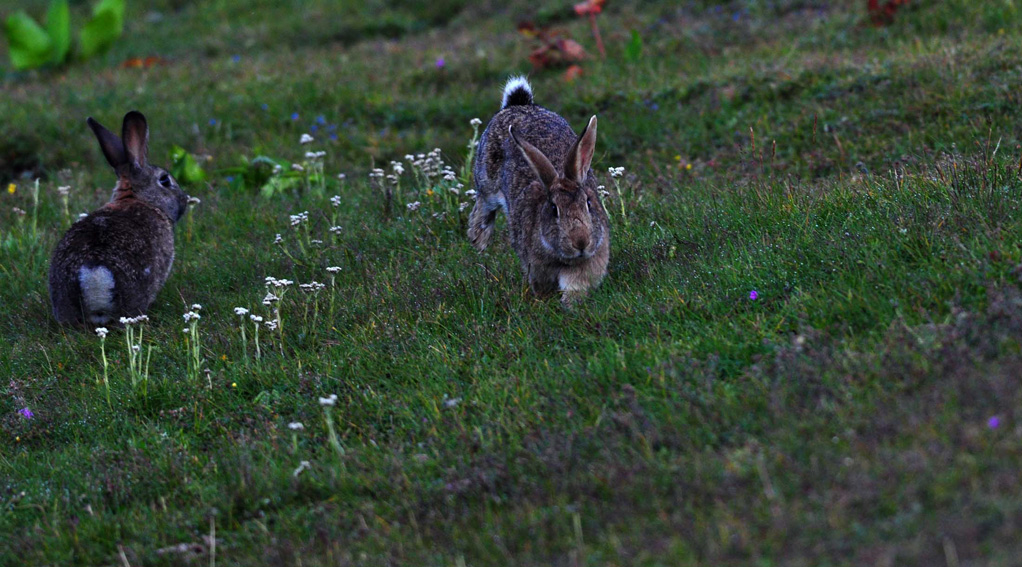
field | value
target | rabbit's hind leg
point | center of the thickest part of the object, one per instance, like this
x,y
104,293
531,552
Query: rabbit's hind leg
x,y
482,219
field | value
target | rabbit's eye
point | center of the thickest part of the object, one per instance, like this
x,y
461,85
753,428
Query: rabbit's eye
x,y
553,209
165,180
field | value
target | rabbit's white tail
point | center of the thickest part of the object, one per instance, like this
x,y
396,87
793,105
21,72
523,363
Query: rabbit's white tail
x,y
517,91
97,285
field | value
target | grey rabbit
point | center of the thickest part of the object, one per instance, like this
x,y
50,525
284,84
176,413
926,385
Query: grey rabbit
x,y
530,163
112,263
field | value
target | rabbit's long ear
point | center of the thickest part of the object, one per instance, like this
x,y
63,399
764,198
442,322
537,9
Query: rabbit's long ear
x,y
111,145
135,133
580,156
539,162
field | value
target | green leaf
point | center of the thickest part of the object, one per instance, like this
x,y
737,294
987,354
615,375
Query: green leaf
x,y
29,44
633,51
58,26
184,168
105,27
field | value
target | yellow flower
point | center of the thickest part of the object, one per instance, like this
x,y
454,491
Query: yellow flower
x,y
234,384
677,158
688,166
223,357
11,188
429,192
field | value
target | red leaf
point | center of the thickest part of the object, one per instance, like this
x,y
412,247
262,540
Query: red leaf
x,y
571,50
571,73
589,7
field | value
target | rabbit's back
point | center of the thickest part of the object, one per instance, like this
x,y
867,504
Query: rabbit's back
x,y
112,263
502,163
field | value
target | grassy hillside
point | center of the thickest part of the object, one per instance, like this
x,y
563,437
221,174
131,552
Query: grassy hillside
x,y
807,352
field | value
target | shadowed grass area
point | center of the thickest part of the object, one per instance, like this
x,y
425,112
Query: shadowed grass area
x,y
860,407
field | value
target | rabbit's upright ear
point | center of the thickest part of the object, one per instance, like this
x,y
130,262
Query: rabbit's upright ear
x,y
539,162
135,133
111,145
580,156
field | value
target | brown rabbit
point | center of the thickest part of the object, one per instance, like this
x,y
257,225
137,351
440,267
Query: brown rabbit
x,y
111,263
530,162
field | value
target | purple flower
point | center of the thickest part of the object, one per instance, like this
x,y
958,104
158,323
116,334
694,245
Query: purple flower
x,y
994,422
440,63
753,295
26,413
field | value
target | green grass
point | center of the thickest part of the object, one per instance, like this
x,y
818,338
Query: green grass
x,y
863,181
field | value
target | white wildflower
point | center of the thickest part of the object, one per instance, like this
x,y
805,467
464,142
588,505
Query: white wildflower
x,y
64,190
414,206
278,239
333,269
194,201
255,318
336,229
101,331
328,401
297,167
296,426
335,200
475,122
301,467
305,139
240,311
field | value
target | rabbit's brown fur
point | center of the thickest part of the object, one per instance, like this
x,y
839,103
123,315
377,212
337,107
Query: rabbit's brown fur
x,y
532,164
112,263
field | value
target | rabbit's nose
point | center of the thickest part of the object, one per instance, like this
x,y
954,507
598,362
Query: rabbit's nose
x,y
581,243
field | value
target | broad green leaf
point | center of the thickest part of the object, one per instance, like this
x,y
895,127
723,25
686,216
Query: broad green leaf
x,y
114,6
184,167
105,27
29,44
58,26
633,51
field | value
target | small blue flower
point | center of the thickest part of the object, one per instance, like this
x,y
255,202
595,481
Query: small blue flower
x,y
294,116
212,121
26,413
313,128
321,119
236,58
230,179
332,127
333,137
264,106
